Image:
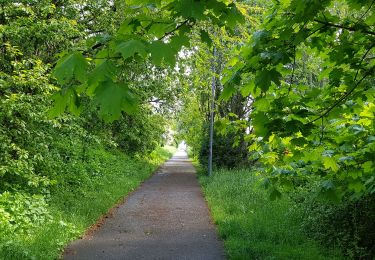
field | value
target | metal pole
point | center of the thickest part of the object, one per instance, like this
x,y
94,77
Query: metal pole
x,y
212,115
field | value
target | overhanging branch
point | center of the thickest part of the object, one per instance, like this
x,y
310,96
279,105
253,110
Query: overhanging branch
x,y
340,26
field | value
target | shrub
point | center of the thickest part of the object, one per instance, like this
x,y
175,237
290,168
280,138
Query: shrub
x,y
348,225
226,153
21,212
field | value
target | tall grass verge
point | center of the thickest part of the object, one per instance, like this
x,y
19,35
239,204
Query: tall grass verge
x,y
254,227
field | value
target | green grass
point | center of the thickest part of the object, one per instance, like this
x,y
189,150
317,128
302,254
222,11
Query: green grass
x,y
251,225
75,207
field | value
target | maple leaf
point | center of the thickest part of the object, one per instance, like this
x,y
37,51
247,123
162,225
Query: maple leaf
x,y
71,66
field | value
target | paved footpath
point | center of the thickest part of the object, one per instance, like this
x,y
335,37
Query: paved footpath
x,y
166,218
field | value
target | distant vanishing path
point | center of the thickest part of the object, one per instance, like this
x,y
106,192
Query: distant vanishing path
x,y
166,218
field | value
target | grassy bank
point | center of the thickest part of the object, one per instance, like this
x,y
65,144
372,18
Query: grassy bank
x,y
251,225
74,204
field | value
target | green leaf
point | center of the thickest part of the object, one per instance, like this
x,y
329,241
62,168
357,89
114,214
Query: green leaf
x,y
286,184
189,9
370,20
233,16
330,163
228,92
265,77
248,89
102,72
159,29
161,51
354,174
178,41
259,122
275,194
205,37
69,67
328,184
62,100
126,28
314,154
131,47
112,99
262,104
335,76
367,166
356,186
330,194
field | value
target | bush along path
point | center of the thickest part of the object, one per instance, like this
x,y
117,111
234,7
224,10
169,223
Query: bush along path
x,y
166,218
72,207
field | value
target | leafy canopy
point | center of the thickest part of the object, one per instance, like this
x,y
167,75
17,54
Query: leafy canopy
x,y
310,68
143,36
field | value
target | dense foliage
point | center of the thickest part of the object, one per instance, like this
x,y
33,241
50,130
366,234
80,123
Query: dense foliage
x,y
151,34
44,158
294,98
310,69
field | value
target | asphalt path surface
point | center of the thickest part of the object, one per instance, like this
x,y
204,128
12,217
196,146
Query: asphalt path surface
x,y
166,218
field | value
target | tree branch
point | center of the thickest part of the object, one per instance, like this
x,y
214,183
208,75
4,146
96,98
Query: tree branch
x,y
100,44
353,29
175,29
343,97
368,9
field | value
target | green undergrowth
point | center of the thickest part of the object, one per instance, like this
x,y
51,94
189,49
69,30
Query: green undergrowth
x,y
74,204
254,227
